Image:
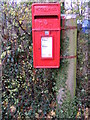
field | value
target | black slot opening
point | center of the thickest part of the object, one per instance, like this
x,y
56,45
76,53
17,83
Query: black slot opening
x,y
46,16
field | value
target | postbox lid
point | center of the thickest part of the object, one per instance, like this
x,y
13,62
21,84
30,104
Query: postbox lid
x,y
46,9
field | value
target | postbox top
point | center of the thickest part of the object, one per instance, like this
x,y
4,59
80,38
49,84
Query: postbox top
x,y
46,9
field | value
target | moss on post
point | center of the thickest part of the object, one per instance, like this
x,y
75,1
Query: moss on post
x,y
66,77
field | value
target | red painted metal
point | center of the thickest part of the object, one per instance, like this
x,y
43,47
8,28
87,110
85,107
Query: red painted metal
x,y
46,27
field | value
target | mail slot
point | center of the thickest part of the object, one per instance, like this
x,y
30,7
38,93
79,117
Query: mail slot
x,y
46,35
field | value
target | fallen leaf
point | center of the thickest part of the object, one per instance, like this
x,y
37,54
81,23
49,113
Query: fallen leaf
x,y
12,109
52,113
36,115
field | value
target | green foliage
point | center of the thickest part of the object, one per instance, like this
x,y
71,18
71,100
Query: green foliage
x,y
68,109
26,92
82,68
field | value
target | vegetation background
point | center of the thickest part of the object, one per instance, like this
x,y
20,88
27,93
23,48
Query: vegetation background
x,y
31,93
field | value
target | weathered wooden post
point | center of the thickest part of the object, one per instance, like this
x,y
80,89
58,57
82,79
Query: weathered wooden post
x,y
66,78
72,35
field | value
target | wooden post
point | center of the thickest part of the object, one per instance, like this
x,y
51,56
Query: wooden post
x,y
72,35
66,78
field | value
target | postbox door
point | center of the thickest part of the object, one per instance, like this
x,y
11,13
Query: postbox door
x,y
49,57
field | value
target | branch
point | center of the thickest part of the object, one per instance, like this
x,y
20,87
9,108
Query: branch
x,y
20,25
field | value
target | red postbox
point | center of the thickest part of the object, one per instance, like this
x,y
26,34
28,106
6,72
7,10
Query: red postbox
x,y
46,35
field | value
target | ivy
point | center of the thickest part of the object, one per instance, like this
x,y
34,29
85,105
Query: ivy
x,y
27,92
